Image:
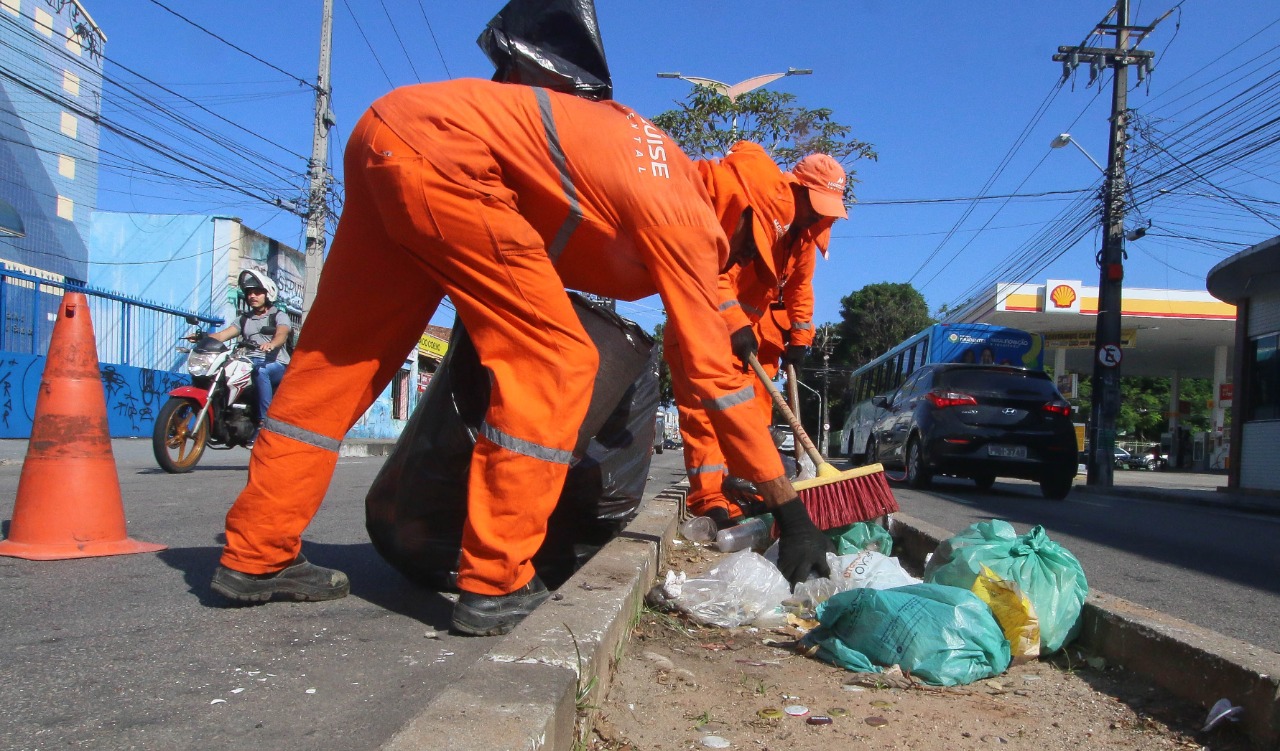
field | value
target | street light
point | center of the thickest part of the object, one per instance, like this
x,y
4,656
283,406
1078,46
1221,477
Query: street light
x,y
1065,138
737,89
740,88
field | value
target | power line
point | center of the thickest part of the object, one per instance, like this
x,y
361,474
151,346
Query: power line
x,y
395,30
435,41
233,46
372,51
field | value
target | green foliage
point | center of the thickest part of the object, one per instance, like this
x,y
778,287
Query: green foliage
x,y
1144,406
665,394
708,123
877,317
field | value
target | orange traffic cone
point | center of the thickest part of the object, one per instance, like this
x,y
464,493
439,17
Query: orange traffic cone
x,y
69,503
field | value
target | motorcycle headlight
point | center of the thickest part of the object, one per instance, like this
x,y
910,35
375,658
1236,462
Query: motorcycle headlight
x,y
198,363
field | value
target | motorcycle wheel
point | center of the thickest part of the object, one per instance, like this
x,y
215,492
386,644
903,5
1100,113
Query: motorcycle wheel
x,y
178,446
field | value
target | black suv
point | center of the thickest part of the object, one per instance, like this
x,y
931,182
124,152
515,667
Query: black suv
x,y
978,421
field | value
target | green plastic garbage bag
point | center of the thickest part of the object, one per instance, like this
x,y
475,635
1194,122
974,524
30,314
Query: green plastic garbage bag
x,y
1048,573
861,536
941,635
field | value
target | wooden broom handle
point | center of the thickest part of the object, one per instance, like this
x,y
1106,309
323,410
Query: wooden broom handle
x,y
793,394
781,404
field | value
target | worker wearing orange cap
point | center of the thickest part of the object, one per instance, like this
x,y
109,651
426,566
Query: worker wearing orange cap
x,y
498,196
793,215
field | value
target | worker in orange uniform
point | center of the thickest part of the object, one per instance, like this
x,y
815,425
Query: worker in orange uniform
x,y
499,196
793,215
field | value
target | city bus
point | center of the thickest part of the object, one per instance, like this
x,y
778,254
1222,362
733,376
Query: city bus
x,y
941,342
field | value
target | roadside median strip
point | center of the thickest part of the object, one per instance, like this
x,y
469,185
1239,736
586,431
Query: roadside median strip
x,y
526,693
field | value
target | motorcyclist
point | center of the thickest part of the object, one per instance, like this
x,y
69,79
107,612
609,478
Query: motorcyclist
x,y
266,328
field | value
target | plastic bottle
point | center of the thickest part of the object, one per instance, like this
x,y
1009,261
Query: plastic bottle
x,y
752,533
698,529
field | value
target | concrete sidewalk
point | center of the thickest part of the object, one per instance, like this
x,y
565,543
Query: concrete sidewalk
x,y
1179,486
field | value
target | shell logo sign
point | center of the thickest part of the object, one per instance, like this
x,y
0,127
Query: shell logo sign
x,y
1062,296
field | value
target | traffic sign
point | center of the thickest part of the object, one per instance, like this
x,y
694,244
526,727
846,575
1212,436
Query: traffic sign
x,y
1110,355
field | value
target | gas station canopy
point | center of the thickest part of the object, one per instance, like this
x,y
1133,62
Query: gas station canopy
x,y
1165,331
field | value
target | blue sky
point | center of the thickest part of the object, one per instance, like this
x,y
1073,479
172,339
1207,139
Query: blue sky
x,y
960,99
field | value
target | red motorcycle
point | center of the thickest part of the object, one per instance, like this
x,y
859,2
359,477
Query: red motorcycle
x,y
218,410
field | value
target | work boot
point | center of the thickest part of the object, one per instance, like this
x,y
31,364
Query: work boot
x,y
302,580
491,615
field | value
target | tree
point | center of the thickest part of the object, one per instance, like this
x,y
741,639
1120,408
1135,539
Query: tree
x,y
665,394
877,317
708,123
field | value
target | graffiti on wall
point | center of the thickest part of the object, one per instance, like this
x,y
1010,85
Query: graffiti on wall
x,y
133,396
285,265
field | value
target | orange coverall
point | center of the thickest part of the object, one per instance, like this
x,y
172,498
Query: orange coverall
x,y
748,176
499,196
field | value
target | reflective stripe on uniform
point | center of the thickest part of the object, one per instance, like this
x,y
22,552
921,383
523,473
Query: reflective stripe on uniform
x,y
730,400
525,448
302,435
797,326
726,305
705,469
571,222
752,310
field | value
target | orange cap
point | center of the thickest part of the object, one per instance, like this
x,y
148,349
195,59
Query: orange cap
x,y
824,177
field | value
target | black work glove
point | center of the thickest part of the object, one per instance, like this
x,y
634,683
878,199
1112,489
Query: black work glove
x,y
794,355
721,517
802,547
743,343
744,494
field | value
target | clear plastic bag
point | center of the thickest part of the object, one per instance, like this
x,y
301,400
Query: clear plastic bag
x,y
864,569
739,590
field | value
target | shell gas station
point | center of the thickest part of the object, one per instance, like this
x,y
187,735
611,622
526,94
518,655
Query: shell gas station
x,y
1169,333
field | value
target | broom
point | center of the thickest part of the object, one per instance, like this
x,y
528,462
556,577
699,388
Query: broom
x,y
793,395
833,498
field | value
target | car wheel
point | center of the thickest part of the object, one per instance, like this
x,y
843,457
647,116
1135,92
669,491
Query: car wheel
x,y
870,456
984,482
917,474
1056,488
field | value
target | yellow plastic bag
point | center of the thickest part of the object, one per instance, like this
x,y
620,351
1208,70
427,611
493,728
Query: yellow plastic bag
x,y
1013,611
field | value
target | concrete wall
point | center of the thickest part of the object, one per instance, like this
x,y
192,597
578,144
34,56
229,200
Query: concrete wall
x,y
134,396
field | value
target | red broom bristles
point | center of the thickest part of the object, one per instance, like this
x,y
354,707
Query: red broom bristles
x,y
855,495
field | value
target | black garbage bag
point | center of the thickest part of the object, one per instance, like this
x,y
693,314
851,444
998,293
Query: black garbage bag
x,y
554,44
603,490
417,506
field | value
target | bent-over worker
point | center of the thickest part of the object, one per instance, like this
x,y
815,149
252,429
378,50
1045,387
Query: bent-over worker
x,y
766,299
499,196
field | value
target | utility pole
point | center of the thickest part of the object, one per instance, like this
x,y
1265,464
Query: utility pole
x,y
318,169
1107,352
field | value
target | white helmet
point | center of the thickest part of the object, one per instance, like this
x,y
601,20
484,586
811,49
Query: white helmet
x,y
250,279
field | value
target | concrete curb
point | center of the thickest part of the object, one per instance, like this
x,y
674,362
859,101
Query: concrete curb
x,y
1190,662
367,447
525,693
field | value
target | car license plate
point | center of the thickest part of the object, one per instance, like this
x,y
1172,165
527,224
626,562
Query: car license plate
x,y
1007,452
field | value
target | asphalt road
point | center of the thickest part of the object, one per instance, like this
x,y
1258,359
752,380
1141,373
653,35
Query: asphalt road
x,y
1213,567
135,651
